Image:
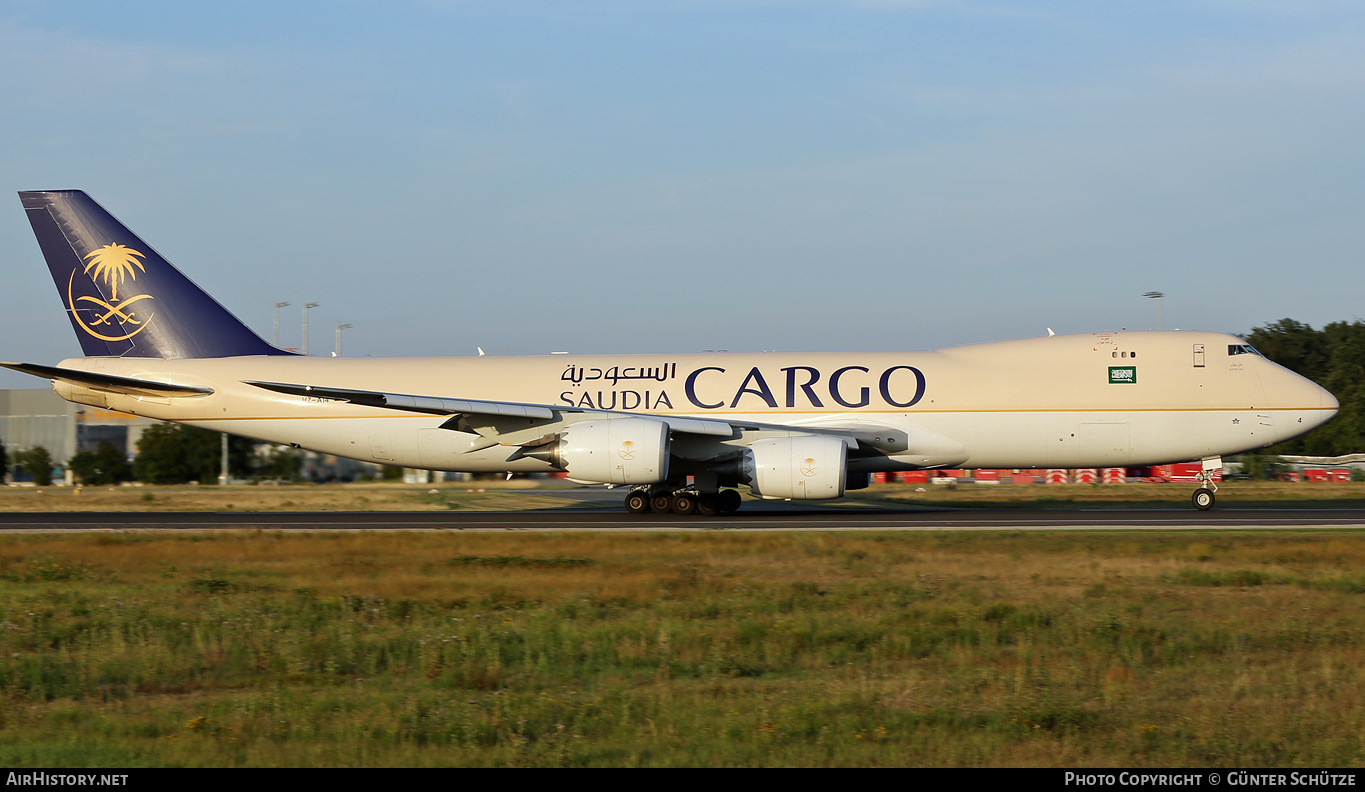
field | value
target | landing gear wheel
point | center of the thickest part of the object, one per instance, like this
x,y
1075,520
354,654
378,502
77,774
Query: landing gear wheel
x,y
662,504
1203,499
684,503
728,501
708,504
638,503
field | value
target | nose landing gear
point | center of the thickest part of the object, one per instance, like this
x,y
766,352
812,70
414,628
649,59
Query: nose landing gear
x,y
1203,498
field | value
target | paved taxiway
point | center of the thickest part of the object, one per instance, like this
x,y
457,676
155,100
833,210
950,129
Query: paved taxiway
x,y
753,517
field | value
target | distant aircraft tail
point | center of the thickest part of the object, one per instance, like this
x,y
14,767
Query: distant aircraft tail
x,y
123,298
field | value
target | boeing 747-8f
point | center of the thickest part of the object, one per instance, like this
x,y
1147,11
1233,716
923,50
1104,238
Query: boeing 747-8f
x,y
679,431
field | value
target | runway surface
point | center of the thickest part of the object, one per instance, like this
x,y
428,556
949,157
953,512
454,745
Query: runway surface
x,y
753,517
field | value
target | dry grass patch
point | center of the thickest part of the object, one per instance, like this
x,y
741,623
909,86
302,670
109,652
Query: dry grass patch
x,y
267,648
486,496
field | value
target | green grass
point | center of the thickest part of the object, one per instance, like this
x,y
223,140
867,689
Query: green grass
x,y
724,649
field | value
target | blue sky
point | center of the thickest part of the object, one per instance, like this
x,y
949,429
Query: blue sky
x,y
677,176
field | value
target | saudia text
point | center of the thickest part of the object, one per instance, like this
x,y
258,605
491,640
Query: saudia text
x,y
715,387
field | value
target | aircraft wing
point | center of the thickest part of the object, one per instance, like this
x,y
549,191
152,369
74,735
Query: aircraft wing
x,y
430,405
483,416
522,424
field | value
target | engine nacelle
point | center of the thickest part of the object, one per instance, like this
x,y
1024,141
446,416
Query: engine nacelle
x,y
615,451
805,468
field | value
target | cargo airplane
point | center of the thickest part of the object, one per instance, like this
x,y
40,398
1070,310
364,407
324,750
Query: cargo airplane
x,y
681,432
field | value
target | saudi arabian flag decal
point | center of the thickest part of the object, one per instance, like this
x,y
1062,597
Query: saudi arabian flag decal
x,y
1123,375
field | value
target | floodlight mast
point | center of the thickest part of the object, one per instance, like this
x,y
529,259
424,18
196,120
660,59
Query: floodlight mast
x,y
278,306
306,306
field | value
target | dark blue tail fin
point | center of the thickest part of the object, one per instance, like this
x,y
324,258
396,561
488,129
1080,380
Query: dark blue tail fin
x,y
123,298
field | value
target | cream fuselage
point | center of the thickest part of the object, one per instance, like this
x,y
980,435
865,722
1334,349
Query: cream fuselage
x,y
1094,400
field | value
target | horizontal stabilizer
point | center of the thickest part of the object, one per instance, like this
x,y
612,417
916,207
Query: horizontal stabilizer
x,y
108,382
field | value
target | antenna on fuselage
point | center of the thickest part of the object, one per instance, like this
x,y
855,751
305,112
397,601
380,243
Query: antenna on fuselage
x,y
1050,333
1160,298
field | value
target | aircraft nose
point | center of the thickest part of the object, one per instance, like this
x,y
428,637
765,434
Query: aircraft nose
x,y
1327,403
1315,403
1303,404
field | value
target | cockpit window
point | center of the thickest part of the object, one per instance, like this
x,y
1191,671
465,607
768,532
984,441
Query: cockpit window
x,y
1242,349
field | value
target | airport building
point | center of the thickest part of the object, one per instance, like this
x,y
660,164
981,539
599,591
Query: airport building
x,y
39,417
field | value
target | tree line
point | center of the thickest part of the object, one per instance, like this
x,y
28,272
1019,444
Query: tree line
x,y
167,454
1333,357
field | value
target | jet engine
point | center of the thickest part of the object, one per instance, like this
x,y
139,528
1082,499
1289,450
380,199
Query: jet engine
x,y
614,451
806,467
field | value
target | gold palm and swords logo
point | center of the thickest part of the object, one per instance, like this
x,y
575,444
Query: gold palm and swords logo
x,y
808,467
114,263
627,450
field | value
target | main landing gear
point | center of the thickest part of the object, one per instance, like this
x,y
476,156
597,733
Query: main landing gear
x,y
707,504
